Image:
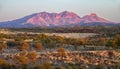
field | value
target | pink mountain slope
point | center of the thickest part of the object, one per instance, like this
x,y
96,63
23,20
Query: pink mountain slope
x,y
45,18
54,19
93,18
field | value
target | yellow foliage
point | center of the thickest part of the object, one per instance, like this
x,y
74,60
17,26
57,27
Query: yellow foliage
x,y
24,46
21,59
2,62
32,55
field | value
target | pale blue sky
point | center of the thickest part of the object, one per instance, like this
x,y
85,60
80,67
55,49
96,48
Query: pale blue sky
x,y
14,9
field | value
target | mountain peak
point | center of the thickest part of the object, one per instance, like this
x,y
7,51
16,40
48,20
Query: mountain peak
x,y
54,19
93,14
65,12
43,12
93,18
45,18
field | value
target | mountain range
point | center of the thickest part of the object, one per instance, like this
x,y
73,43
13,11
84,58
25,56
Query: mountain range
x,y
65,18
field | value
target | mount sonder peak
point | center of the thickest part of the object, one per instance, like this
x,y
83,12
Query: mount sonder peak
x,y
47,19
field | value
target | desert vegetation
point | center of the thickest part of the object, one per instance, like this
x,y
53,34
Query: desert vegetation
x,y
42,51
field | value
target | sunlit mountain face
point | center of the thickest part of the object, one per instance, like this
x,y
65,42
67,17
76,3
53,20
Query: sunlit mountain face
x,y
56,19
47,19
94,18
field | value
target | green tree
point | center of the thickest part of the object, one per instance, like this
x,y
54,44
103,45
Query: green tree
x,y
117,40
59,40
48,65
109,43
77,43
42,38
69,67
99,67
81,67
25,66
101,42
19,39
48,43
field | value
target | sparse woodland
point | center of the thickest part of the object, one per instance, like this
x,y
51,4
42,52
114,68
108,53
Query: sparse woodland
x,y
28,56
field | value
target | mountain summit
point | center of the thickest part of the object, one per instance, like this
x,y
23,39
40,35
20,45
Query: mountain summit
x,y
47,19
93,18
56,19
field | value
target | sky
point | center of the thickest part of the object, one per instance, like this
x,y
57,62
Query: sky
x,y
14,9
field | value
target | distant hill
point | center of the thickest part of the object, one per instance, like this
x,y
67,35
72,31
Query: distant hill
x,y
65,18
